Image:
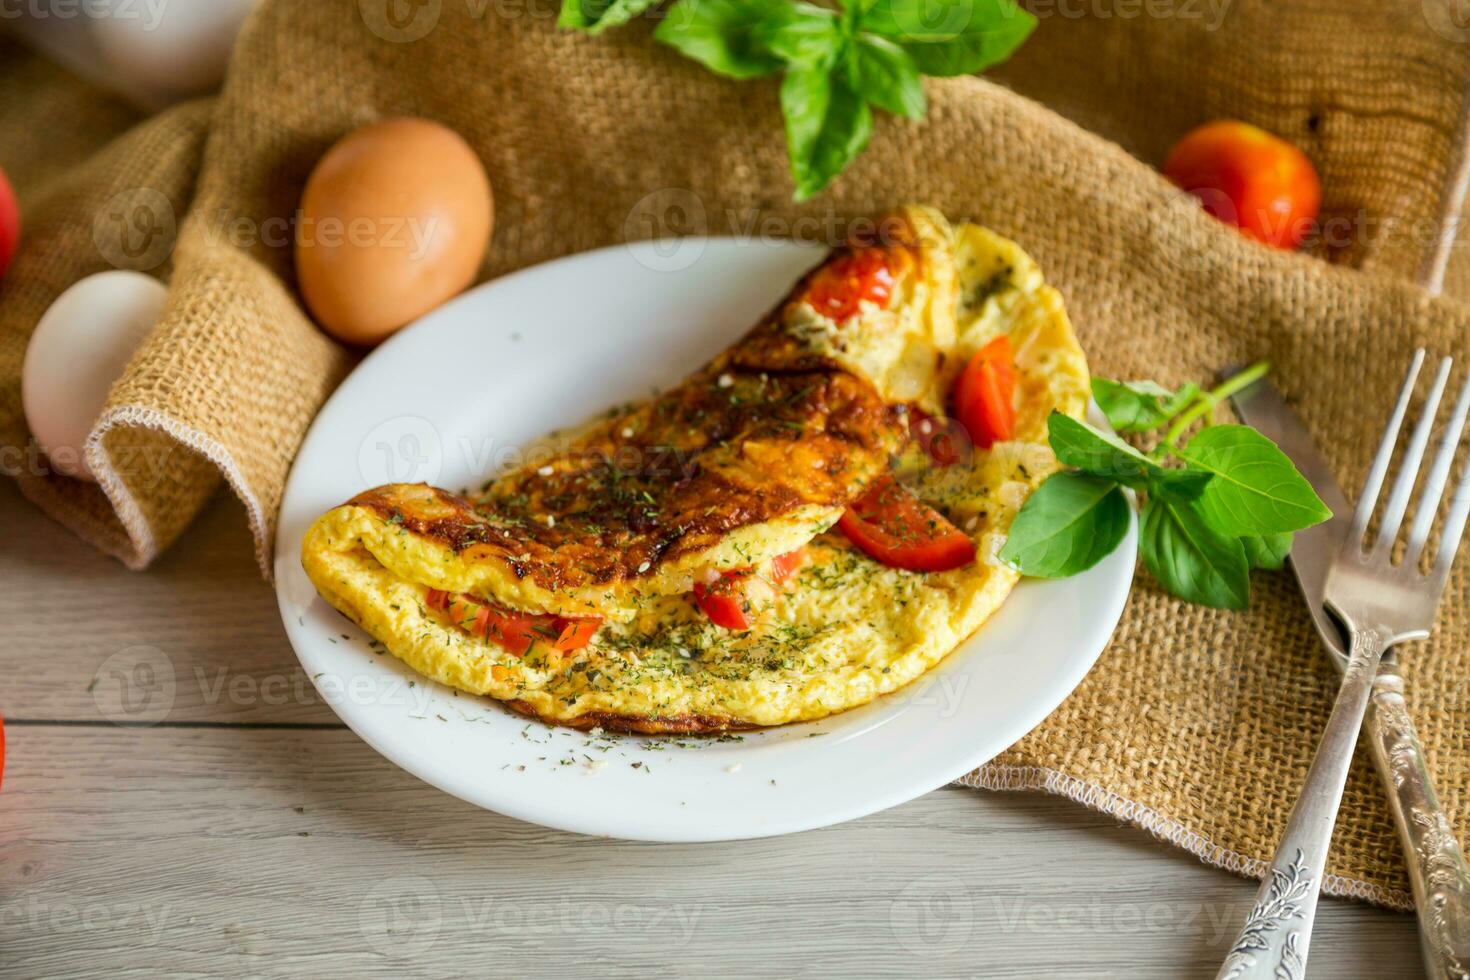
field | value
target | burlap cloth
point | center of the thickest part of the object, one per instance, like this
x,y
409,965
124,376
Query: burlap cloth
x,y
1196,725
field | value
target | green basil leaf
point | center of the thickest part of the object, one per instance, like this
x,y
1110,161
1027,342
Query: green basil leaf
x,y
596,16
1100,453
721,34
1068,524
1257,489
802,35
1179,484
951,37
1266,551
884,74
1137,406
827,125
1190,558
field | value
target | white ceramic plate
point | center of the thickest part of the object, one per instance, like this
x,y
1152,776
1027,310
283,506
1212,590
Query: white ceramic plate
x,y
448,401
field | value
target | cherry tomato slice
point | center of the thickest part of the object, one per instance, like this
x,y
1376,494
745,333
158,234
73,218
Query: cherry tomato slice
x,y
723,600
471,616
516,632
984,394
785,566
840,287
575,633
512,630
899,530
1249,178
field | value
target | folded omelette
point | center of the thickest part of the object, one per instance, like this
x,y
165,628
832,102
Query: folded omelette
x,y
796,529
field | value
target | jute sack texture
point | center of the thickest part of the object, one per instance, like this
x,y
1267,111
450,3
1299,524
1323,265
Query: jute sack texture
x,y
1195,724
1373,92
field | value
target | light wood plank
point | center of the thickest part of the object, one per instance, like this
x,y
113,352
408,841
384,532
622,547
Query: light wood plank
x,y
243,851
88,640
262,851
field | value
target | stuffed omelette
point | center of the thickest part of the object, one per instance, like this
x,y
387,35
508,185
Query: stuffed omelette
x,y
806,523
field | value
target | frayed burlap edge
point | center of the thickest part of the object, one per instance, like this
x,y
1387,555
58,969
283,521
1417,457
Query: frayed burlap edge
x,y
121,496
1012,779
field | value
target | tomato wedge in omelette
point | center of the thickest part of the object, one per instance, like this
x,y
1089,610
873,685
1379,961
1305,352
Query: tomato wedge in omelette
x,y
807,522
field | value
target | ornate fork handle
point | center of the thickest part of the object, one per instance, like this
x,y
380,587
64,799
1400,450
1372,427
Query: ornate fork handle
x,y
1273,943
1437,870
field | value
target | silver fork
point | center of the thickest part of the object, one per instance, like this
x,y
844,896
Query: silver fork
x,y
1380,604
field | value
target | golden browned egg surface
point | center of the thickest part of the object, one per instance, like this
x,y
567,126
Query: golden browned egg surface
x,y
755,456
749,458
663,482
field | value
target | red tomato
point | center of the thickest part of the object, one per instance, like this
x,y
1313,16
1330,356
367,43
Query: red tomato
x,y
944,439
984,394
726,601
1249,178
896,528
575,633
471,616
514,630
785,566
517,631
9,224
839,288
723,600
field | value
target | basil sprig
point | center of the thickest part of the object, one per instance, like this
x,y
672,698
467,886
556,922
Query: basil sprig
x,y
838,64
596,16
1230,507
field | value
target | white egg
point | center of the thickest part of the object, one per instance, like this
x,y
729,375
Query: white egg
x,y
174,48
79,349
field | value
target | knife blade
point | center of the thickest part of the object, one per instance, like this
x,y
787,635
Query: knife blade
x,y
1312,551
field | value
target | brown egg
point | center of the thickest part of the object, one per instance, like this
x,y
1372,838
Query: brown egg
x,y
395,220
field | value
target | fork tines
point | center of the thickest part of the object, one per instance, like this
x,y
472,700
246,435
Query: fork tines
x,y
1403,486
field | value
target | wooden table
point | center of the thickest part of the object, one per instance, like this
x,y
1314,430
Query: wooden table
x,y
247,833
